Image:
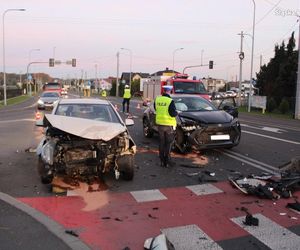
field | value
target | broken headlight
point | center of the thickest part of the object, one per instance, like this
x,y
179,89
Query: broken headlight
x,y
48,152
188,124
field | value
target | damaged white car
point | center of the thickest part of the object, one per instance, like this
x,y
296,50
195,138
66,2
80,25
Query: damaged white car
x,y
85,138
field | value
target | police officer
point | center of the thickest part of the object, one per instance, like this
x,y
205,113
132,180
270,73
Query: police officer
x,y
126,98
166,123
103,93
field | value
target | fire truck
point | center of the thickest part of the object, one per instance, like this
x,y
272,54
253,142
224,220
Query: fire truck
x,y
181,83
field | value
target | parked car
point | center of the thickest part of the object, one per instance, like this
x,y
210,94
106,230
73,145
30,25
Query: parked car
x,y
85,138
200,125
230,93
48,99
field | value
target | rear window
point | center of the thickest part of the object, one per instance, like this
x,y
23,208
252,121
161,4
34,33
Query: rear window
x,y
53,85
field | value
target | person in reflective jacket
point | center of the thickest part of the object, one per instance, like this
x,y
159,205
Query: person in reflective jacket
x,y
166,124
126,98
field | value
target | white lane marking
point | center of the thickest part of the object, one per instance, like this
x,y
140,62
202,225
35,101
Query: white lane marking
x,y
269,129
189,237
148,195
271,137
276,171
204,189
274,130
268,124
19,120
252,160
270,233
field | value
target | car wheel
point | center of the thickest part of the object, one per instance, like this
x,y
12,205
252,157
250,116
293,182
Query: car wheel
x,y
43,172
126,167
148,132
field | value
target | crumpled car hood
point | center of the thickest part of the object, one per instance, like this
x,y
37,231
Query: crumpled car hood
x,y
85,128
211,117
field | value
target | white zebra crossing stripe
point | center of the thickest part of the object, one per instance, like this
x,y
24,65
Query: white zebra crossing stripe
x,y
148,195
189,237
204,189
270,233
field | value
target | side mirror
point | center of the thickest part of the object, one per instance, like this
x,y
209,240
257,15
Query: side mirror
x,y
129,122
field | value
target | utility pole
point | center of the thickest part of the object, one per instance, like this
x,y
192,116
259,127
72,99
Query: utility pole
x,y
260,62
297,104
117,81
241,56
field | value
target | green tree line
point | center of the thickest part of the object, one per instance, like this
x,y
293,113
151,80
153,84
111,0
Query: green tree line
x,y
278,79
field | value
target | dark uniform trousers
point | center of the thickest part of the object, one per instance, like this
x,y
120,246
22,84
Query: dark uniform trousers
x,y
166,139
126,101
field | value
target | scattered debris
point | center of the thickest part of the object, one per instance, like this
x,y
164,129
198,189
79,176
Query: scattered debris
x,y
282,214
118,219
135,213
295,207
207,176
105,218
192,174
271,186
126,248
158,242
151,216
155,208
30,150
71,232
251,221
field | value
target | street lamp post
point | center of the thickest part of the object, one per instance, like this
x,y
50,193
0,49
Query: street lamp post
x,y
130,65
29,57
4,74
252,54
174,56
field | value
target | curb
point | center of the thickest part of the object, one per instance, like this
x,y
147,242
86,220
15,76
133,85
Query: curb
x,y
55,228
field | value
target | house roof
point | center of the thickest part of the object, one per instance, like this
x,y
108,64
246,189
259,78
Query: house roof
x,y
161,72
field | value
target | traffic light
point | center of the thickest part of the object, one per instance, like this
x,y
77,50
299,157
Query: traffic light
x,y
211,64
51,62
73,62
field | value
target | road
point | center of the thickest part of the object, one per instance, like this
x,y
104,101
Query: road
x,y
266,144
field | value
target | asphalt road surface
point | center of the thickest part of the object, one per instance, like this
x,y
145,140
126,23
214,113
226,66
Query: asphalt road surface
x,y
266,144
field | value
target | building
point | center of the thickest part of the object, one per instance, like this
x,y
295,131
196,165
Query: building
x,y
214,85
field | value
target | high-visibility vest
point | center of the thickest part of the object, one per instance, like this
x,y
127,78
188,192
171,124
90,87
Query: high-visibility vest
x,y
103,93
127,94
163,117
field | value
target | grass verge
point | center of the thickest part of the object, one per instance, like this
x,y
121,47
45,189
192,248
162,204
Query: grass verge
x,y
15,100
257,111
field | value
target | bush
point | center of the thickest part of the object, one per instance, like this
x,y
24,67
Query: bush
x,y
271,104
284,106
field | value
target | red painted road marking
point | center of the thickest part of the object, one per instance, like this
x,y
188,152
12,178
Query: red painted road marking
x,y
121,221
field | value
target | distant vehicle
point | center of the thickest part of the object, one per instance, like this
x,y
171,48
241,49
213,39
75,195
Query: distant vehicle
x,y
230,93
216,95
200,125
48,99
64,91
53,86
85,138
181,85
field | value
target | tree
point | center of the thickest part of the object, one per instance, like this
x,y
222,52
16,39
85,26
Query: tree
x,y
278,78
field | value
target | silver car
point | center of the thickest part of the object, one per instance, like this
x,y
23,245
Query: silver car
x,y
48,99
85,138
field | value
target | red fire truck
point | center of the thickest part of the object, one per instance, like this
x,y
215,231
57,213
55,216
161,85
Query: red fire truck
x,y
181,85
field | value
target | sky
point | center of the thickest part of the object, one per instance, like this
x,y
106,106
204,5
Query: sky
x,y
93,31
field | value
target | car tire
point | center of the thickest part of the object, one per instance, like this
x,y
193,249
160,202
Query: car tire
x,y
43,172
148,132
126,167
